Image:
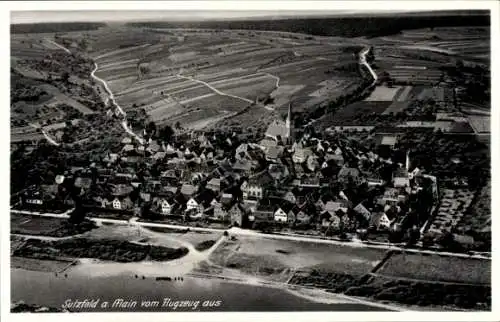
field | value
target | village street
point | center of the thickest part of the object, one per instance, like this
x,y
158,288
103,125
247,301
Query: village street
x,y
253,233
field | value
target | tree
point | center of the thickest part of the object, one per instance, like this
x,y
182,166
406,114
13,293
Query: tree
x,y
151,128
65,77
165,133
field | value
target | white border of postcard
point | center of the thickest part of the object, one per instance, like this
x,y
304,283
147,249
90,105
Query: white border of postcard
x,y
297,6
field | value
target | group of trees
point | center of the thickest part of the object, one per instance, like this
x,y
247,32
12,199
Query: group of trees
x,y
114,250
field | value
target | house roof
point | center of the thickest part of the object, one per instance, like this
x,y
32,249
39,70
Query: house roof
x,y
49,188
188,189
347,171
400,172
126,140
159,155
389,140
377,217
83,182
121,189
276,128
262,179
267,143
360,209
302,153
242,165
274,152
128,147
214,182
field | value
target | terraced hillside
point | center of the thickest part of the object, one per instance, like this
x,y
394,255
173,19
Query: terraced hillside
x,y
202,78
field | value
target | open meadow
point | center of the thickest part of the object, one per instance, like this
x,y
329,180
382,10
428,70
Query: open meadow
x,y
437,268
275,257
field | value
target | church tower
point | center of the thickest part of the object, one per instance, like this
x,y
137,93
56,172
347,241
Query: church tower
x,y
288,124
407,163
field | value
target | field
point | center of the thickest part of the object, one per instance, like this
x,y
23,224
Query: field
x,y
480,124
43,226
479,217
259,255
437,268
34,225
468,42
207,78
358,113
453,205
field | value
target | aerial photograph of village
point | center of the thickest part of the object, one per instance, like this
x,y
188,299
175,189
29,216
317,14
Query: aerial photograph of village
x,y
329,162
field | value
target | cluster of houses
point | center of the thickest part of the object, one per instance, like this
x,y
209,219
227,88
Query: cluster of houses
x,y
308,183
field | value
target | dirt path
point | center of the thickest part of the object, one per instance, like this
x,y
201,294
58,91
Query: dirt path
x,y
49,139
112,98
362,58
214,89
59,46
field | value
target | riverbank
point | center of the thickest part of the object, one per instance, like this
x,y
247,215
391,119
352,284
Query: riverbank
x,y
40,265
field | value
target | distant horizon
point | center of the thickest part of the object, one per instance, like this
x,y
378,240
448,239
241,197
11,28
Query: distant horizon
x,y
109,16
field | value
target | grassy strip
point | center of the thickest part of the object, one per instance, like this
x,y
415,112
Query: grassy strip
x,y
470,297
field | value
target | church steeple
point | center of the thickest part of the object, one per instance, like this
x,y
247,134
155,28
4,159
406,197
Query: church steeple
x,y
288,122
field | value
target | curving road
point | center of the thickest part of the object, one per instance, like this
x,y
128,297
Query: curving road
x,y
362,61
47,137
112,98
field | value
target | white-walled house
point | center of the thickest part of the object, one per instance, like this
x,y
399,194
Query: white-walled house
x,y
191,204
251,190
280,216
166,207
117,204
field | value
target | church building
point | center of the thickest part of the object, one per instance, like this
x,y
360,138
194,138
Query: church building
x,y
282,129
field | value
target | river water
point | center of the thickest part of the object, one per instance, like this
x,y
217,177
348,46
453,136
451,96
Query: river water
x,y
47,289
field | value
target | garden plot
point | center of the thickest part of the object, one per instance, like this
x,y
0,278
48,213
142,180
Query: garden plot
x,y
122,83
252,90
119,51
34,225
437,268
154,84
480,124
451,209
28,72
346,115
163,110
115,73
139,53
284,93
396,107
383,93
330,85
182,56
224,44
207,76
61,98
435,93
190,95
116,66
403,94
